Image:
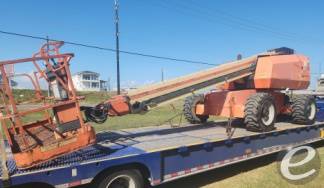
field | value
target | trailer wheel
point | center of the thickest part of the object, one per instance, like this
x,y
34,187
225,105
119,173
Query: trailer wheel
x,y
260,112
189,109
122,179
303,109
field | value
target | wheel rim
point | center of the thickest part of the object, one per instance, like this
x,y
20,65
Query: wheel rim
x,y
121,181
311,110
268,114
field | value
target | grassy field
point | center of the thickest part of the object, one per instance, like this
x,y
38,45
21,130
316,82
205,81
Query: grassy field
x,y
165,114
94,97
22,95
170,114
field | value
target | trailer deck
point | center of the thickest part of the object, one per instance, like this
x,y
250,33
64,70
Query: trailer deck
x,y
164,152
153,139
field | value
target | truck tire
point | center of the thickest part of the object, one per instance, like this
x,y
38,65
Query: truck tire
x,y
122,179
189,109
303,109
260,113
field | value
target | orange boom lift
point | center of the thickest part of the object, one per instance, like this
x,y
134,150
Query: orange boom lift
x,y
249,89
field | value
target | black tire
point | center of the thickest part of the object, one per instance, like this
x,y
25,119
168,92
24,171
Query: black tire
x,y
122,179
260,113
303,109
189,109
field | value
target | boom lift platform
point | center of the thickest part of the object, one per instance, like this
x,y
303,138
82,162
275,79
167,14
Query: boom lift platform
x,y
61,129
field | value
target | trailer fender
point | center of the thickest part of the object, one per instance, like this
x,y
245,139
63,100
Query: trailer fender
x,y
140,167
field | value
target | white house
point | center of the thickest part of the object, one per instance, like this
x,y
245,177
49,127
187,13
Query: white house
x,y
88,81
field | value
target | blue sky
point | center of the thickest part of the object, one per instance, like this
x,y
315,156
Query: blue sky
x,y
203,30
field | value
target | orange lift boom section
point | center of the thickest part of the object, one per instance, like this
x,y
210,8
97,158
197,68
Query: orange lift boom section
x,y
140,100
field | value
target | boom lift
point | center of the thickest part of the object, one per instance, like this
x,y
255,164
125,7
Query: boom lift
x,y
249,89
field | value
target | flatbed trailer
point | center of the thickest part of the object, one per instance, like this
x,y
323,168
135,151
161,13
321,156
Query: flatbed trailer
x,y
162,154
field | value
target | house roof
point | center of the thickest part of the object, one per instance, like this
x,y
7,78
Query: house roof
x,y
86,72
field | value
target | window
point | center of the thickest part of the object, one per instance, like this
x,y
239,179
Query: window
x,y
103,84
86,84
94,77
86,77
95,85
90,77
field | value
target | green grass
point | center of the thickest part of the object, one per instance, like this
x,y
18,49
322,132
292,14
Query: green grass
x,y
33,117
155,117
170,114
22,95
95,97
266,177
165,114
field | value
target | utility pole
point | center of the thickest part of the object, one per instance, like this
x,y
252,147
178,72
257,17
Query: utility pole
x,y
49,85
162,75
108,84
117,45
319,69
239,57
47,43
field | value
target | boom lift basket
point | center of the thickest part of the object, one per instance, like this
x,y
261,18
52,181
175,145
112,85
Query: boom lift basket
x,y
61,128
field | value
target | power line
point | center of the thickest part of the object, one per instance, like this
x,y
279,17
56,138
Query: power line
x,y
107,49
196,13
233,21
244,21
